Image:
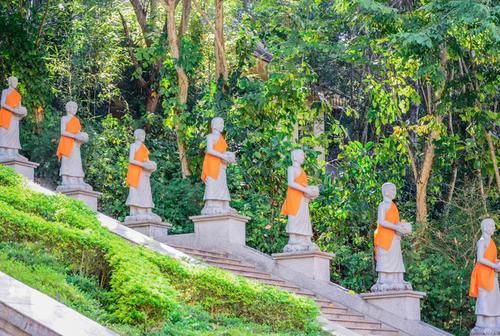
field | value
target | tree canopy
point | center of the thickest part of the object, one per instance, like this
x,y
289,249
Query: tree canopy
x,y
373,90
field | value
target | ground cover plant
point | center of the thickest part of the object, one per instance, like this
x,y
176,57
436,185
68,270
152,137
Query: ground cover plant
x,y
57,245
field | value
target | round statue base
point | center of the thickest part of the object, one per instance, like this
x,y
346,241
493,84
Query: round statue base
x,y
85,195
23,167
313,264
404,303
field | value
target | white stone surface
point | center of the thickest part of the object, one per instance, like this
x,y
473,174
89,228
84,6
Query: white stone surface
x,y
25,168
88,197
403,303
314,264
220,229
299,227
216,194
41,312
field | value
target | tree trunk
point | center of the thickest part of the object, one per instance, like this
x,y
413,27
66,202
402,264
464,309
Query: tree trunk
x,y
220,63
493,158
152,101
182,83
423,182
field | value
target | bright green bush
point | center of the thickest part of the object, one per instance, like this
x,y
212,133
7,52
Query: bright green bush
x,y
142,287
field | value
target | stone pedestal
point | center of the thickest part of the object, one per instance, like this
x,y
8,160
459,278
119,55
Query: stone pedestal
x,y
25,168
220,229
88,197
313,264
156,230
403,303
485,331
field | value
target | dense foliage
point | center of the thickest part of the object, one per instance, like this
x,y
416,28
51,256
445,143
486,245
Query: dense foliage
x,y
58,246
373,90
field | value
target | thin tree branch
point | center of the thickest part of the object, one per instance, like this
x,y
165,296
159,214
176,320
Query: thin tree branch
x,y
130,48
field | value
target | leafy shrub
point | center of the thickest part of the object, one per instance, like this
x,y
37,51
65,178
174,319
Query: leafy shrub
x,y
142,287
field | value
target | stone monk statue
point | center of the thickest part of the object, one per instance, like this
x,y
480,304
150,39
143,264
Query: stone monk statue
x,y
68,150
296,206
140,199
217,158
388,255
11,112
484,283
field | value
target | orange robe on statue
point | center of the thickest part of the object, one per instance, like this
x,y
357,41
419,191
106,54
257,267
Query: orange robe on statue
x,y
294,196
211,164
484,276
134,171
13,100
384,236
66,144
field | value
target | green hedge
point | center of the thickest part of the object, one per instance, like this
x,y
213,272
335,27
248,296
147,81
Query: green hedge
x,y
143,287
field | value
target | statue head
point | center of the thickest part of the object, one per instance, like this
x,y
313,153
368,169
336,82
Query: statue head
x,y
71,107
389,190
217,124
12,81
488,226
298,156
139,135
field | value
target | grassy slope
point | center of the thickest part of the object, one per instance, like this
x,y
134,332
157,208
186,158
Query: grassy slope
x,y
56,245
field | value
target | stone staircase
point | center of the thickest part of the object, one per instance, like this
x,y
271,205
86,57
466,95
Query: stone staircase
x,y
333,311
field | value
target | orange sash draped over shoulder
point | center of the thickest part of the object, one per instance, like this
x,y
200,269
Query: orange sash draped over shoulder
x,y
66,144
294,196
211,164
384,236
13,99
134,171
484,276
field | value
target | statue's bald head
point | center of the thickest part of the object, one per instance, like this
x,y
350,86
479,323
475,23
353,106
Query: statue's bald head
x,y
71,107
12,81
389,190
488,225
298,155
139,134
217,123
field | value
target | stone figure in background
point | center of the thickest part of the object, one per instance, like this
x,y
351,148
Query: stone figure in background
x,y
11,112
214,172
296,206
140,199
68,150
388,255
484,283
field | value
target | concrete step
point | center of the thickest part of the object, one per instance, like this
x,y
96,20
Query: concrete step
x,y
344,316
334,306
189,250
231,267
347,323
378,332
220,258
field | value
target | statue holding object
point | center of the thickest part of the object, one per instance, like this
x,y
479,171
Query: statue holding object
x,y
296,206
217,158
11,112
140,168
484,283
68,150
388,254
